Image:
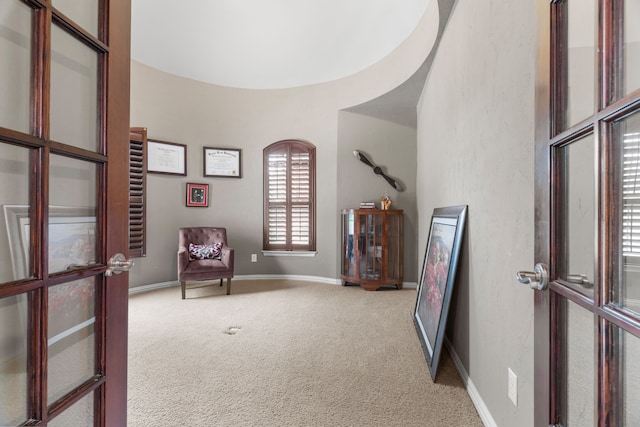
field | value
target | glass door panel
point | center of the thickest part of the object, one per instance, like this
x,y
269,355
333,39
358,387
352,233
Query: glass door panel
x,y
15,64
13,360
74,91
580,215
71,337
579,396
631,47
79,415
631,379
348,224
83,13
14,198
581,54
394,249
371,251
626,137
72,214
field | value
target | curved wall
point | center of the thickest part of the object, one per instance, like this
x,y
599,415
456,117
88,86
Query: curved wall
x,y
476,143
198,114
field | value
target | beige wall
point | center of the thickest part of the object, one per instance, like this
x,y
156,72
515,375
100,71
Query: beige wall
x,y
392,147
475,147
197,114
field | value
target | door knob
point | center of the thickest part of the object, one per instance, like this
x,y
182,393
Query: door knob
x,y
117,264
537,279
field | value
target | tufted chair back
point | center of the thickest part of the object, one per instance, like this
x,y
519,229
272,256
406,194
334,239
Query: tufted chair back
x,y
201,235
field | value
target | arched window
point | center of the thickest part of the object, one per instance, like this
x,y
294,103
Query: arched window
x,y
289,196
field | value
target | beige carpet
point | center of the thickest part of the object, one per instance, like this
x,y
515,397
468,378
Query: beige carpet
x,y
285,353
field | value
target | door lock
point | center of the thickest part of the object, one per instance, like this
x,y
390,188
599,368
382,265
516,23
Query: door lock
x,y
537,279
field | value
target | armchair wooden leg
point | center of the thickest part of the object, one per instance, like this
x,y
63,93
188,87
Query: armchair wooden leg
x,y
221,282
228,285
184,288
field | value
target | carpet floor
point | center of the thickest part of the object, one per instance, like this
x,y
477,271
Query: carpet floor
x,y
285,353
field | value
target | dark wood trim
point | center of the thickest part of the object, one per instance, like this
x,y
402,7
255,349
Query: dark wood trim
x,y
35,372
75,395
77,31
559,70
557,360
19,138
76,152
607,413
118,35
40,74
19,287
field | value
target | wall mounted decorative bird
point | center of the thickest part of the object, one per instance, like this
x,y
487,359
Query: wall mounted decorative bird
x,y
378,170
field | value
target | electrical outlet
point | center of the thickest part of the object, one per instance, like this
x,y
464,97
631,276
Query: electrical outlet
x,y
254,257
513,387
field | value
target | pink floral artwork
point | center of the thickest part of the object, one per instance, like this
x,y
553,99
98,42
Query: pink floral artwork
x,y
436,272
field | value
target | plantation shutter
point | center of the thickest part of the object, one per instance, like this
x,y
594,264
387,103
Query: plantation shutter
x,y
277,199
631,195
289,196
137,180
300,197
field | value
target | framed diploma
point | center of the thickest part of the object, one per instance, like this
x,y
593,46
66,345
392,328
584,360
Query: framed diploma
x,y
166,157
223,162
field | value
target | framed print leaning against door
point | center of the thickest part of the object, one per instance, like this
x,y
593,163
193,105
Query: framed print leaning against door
x,y
437,279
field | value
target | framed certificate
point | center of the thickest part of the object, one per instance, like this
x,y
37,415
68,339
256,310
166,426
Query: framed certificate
x,y
166,157
223,162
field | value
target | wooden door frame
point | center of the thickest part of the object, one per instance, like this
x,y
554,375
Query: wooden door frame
x,y
117,182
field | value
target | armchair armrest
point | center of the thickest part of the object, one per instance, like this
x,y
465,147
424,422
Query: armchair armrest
x,y
227,256
183,259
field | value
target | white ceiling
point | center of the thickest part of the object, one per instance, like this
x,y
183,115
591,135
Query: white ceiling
x,y
268,44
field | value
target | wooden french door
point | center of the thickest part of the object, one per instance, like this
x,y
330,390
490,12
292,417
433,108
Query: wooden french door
x,y
64,128
587,324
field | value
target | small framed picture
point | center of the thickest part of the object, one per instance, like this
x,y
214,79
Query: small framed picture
x,y
223,162
197,195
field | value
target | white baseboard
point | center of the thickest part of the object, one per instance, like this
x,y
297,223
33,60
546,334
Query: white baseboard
x,y
482,409
152,287
317,279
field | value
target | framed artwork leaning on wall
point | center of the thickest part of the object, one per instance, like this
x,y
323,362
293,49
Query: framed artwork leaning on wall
x,y
437,279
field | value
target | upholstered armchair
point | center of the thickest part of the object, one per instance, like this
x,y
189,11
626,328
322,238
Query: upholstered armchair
x,y
203,254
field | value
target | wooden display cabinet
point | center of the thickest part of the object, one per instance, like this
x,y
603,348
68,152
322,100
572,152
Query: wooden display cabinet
x,y
372,247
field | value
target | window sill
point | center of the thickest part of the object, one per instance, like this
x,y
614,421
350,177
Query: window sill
x,y
290,253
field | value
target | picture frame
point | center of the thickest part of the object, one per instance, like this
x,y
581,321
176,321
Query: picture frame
x,y
437,280
197,195
72,244
222,162
70,228
168,158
